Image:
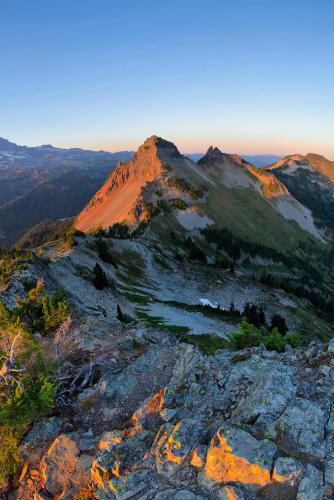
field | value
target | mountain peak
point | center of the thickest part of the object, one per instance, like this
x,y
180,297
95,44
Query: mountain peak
x,y
213,150
158,147
213,154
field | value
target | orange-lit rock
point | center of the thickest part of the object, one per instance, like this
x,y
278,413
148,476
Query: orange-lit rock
x,y
236,456
196,460
174,446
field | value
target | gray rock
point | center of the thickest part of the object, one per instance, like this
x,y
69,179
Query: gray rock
x,y
273,388
177,495
301,428
288,470
330,347
310,487
36,442
329,472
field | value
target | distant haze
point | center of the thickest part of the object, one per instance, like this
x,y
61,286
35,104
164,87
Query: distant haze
x,y
257,160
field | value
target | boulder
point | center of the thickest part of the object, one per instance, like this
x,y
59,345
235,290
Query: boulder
x,y
63,470
272,390
39,438
301,428
311,486
235,456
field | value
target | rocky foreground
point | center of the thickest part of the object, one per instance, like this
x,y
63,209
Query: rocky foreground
x,y
139,415
165,422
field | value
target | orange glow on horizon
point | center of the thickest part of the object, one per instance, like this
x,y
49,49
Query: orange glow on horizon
x,y
242,145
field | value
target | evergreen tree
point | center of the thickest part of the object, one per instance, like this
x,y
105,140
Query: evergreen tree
x,y
100,279
279,322
120,315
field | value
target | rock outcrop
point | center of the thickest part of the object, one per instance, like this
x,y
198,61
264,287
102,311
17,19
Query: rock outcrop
x,y
177,424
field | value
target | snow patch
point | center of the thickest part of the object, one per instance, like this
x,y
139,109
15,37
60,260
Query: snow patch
x,y
190,219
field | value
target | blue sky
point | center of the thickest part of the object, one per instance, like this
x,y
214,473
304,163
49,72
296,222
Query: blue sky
x,y
252,76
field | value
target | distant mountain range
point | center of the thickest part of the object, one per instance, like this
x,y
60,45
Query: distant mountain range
x,y
47,156
37,183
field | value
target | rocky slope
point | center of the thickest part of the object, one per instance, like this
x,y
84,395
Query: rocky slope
x,y
154,166
140,415
237,173
310,179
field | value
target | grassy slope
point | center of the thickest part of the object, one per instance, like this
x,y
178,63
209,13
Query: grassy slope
x,y
251,217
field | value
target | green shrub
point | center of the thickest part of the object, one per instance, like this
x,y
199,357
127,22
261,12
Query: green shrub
x,y
249,336
10,260
274,341
293,339
194,252
39,311
23,402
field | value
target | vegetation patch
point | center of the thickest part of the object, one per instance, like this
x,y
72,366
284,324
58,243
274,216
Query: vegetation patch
x,y
39,312
137,298
104,252
47,231
251,336
27,387
206,342
183,186
10,260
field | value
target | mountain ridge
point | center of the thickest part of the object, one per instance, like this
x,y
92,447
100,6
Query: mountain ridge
x,y
310,178
159,167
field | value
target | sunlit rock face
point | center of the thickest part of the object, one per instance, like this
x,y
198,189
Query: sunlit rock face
x,y
236,456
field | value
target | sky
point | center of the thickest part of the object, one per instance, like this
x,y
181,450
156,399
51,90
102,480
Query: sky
x,y
250,76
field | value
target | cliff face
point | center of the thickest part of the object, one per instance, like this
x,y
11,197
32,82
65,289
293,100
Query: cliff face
x,y
115,201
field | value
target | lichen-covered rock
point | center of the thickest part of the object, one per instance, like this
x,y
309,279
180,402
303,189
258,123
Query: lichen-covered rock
x,y
36,442
311,486
301,427
229,493
273,388
124,488
175,445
